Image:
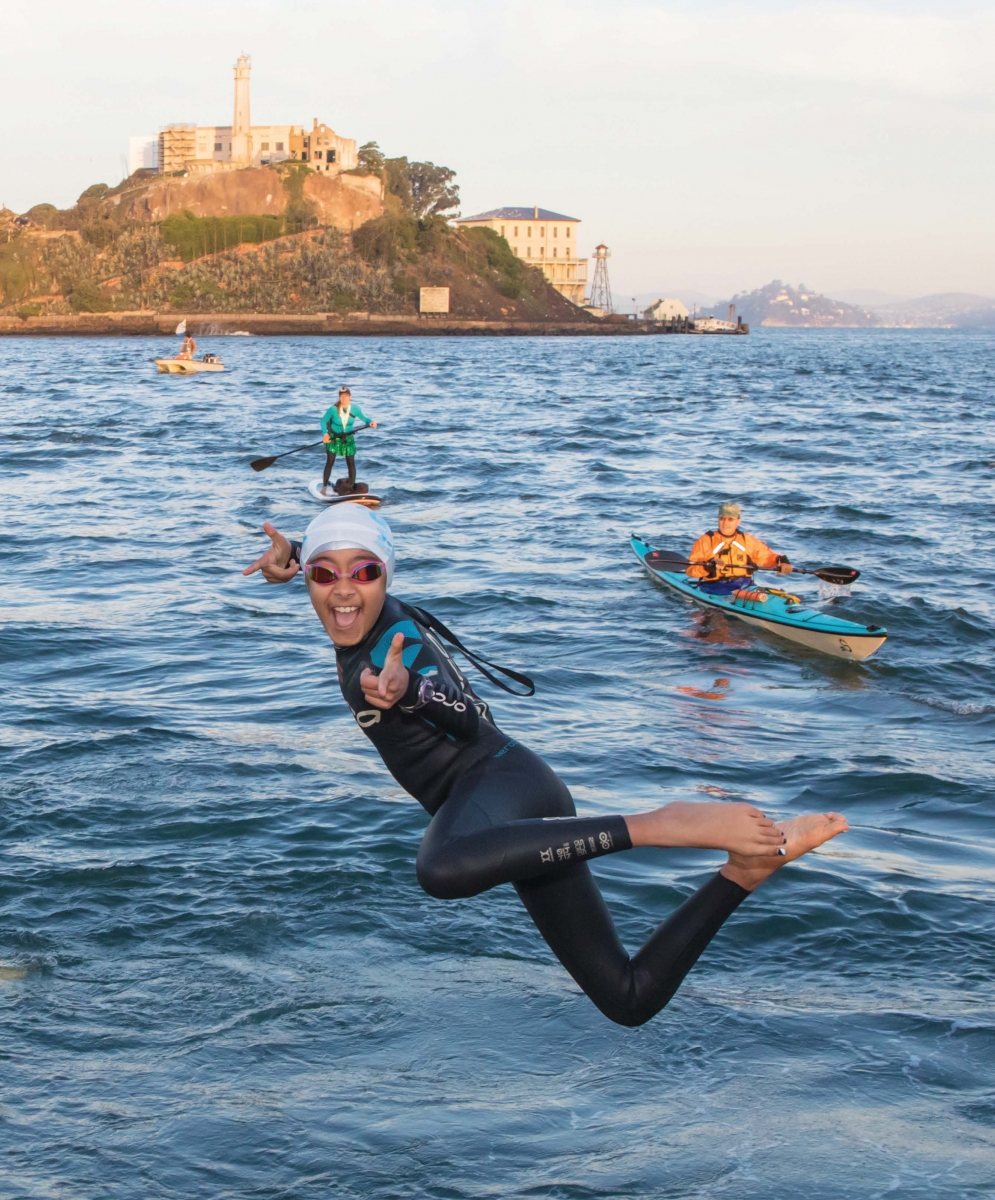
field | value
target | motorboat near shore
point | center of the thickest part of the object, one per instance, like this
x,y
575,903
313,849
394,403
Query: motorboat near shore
x,y
189,366
769,608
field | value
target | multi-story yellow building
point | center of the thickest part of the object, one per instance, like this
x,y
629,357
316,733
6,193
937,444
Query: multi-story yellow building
x,y
545,239
200,149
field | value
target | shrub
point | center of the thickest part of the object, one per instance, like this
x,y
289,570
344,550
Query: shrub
x,y
28,310
195,237
85,296
382,240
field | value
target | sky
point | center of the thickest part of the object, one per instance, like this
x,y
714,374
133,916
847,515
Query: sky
x,y
712,148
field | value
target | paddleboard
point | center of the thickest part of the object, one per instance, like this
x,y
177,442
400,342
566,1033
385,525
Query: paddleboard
x,y
367,499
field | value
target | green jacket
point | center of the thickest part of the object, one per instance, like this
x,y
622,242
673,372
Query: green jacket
x,y
332,423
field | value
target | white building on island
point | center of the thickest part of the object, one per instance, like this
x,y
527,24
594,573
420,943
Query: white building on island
x,y
545,239
665,310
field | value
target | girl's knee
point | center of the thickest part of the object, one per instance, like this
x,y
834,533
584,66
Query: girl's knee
x,y
441,876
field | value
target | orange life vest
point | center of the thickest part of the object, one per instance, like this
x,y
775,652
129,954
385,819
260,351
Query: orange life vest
x,y
734,556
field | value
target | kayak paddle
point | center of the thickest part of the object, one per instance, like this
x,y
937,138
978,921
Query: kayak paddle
x,y
260,464
840,576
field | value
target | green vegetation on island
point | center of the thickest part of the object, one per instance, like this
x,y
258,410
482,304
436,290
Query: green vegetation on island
x,y
98,257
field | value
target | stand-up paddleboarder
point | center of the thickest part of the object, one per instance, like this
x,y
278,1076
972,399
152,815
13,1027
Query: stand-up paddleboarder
x,y
337,425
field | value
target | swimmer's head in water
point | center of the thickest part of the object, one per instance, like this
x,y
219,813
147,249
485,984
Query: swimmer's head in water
x,y
343,537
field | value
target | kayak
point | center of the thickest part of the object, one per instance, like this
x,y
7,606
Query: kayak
x,y
188,366
772,609
367,499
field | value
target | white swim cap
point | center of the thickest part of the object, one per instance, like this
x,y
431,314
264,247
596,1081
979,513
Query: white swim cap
x,y
350,526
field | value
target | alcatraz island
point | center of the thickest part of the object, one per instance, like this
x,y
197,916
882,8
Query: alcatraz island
x,y
290,229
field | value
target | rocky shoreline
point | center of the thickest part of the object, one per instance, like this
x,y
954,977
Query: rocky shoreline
x,y
150,324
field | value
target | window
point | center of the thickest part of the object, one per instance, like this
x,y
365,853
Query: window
x,y
555,231
542,251
554,251
567,232
567,252
264,145
331,156
317,154
528,252
516,231
303,156
217,146
279,145
502,231
516,249
529,231
542,232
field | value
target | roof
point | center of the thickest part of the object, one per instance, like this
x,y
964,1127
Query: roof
x,y
518,214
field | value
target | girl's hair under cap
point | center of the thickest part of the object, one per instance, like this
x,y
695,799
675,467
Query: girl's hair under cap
x,y
350,526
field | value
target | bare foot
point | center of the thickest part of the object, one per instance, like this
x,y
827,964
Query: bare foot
x,y
804,834
737,828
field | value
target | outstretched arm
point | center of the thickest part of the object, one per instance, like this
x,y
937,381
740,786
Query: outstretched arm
x,y
278,564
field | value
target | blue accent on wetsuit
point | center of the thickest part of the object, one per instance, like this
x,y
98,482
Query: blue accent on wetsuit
x,y
500,815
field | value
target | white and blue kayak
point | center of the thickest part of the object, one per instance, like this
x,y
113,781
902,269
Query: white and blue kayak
x,y
769,608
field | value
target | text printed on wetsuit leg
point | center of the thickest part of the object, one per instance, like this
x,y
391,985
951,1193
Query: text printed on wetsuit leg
x,y
581,847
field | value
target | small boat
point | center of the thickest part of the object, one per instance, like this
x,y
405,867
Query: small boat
x,y
772,609
189,366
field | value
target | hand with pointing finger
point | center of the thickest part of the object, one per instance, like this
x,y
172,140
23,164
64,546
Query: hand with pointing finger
x,y
275,564
384,690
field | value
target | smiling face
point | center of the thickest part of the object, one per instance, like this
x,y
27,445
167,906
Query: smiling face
x,y
728,526
347,609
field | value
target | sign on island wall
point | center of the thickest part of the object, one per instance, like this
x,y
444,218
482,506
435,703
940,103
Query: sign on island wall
x,y
433,300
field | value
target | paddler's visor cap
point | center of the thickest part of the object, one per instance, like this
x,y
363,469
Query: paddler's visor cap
x,y
344,394
730,510
349,526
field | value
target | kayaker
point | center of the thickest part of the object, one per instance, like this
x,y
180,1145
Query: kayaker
x,y
724,557
498,813
189,348
338,424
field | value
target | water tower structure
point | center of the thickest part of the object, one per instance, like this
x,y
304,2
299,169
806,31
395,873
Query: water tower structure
x,y
601,291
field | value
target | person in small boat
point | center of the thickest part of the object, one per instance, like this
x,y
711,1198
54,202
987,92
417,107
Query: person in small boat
x,y
498,814
725,558
189,348
337,425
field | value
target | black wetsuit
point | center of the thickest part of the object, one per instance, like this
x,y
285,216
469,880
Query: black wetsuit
x,y
500,815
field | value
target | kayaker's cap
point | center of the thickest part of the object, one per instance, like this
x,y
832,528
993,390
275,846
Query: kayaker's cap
x,y
350,526
730,510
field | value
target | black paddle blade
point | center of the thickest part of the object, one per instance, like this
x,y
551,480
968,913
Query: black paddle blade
x,y
840,576
666,560
260,464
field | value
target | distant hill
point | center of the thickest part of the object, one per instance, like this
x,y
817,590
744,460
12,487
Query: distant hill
x,y
945,310
779,304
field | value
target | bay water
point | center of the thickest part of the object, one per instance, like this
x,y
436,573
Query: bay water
x,y
218,974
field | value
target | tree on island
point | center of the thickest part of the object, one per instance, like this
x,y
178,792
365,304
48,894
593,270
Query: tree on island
x,y
424,189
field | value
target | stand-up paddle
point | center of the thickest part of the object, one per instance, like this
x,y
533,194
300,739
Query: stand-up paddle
x,y
260,464
666,560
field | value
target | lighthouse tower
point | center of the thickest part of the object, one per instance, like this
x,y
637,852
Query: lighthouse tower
x,y
241,128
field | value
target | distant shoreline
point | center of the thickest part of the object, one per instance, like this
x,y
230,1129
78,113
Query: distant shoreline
x,y
205,325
